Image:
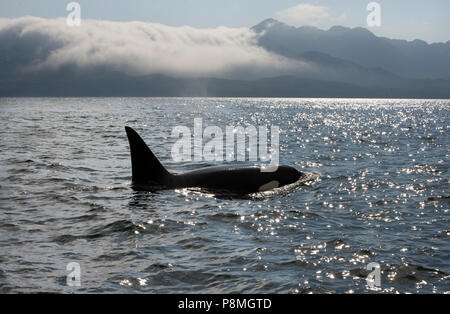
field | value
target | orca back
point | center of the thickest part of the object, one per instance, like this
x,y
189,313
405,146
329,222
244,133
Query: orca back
x,y
149,174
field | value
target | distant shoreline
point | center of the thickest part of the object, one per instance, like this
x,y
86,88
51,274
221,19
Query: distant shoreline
x,y
120,85
225,97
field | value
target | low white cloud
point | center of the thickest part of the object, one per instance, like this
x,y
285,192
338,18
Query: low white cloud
x,y
138,48
305,14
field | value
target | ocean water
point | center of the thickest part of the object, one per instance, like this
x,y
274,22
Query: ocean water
x,y
378,193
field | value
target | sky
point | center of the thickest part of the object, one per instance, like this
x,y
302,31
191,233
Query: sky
x,y
401,19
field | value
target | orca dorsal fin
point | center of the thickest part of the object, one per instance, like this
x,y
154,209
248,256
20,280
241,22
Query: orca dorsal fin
x,y
146,168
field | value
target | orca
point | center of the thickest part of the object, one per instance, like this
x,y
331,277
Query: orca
x,y
148,174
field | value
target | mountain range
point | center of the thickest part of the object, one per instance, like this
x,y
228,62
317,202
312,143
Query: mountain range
x,y
412,59
341,62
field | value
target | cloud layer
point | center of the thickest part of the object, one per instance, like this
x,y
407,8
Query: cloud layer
x,y
310,15
33,44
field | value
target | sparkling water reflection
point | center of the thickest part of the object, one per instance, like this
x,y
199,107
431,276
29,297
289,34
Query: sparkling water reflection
x,y
379,192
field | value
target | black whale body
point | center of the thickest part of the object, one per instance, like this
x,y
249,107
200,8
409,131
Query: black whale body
x,y
149,174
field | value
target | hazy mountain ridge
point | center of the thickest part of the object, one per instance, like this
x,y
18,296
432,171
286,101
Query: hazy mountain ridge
x,y
334,69
413,59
